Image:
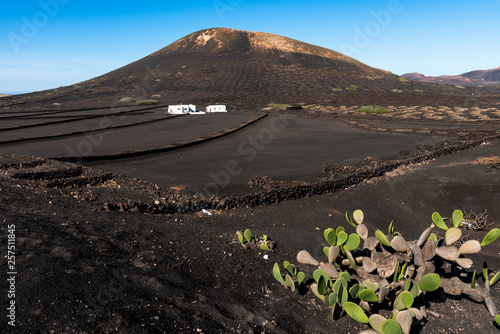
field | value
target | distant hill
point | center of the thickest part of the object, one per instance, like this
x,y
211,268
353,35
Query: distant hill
x,y
474,78
3,95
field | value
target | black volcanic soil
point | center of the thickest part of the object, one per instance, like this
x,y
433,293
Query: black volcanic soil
x,y
81,270
84,267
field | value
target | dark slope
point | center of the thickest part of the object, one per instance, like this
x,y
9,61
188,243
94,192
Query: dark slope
x,y
228,65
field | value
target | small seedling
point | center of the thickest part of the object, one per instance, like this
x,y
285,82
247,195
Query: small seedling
x,y
288,281
247,240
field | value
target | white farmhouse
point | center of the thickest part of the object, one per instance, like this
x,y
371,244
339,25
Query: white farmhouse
x,y
197,113
181,109
216,108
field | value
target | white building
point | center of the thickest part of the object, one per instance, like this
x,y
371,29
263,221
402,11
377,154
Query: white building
x,y
197,113
181,109
216,108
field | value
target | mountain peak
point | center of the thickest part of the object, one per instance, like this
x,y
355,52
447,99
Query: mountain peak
x,y
234,66
222,40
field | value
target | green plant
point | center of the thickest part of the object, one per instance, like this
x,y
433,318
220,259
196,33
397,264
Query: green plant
x,y
391,272
395,90
352,88
247,240
490,237
338,90
291,272
145,102
372,109
280,106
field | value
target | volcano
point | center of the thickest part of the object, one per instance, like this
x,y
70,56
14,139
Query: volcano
x,y
227,65
245,70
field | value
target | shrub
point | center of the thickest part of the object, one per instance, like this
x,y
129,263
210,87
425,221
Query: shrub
x,y
145,102
338,90
280,106
352,88
371,109
127,99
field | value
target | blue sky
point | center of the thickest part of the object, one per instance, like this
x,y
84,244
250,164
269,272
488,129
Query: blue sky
x,y
49,43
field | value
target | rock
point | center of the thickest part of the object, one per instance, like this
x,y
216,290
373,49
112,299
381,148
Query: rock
x,y
122,207
109,206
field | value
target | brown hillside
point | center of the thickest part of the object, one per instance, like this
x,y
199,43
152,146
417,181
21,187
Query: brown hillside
x,y
227,64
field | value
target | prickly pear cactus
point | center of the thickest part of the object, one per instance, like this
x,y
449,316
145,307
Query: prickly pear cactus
x,y
360,271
